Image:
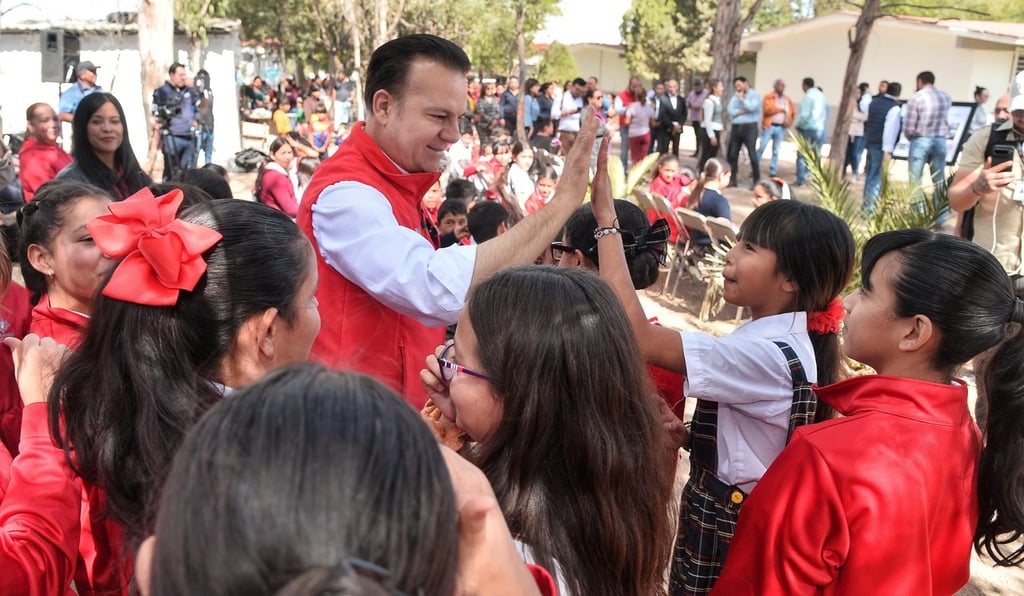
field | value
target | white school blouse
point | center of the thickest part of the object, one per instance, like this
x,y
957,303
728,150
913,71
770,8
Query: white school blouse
x,y
749,377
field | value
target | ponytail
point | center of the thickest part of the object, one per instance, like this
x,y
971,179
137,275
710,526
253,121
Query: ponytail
x,y
1001,470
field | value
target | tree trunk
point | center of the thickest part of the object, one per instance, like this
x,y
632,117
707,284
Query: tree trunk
x,y
725,49
871,12
156,46
520,130
355,36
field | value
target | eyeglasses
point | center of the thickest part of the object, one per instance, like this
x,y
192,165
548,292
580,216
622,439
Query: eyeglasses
x,y
449,368
558,249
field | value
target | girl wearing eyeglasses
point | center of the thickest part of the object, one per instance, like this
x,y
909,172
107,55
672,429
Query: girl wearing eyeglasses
x,y
545,379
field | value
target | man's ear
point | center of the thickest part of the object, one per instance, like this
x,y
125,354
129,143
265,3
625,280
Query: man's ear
x,y
383,105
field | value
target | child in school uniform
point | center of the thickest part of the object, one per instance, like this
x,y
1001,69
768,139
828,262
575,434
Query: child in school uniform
x,y
753,386
888,499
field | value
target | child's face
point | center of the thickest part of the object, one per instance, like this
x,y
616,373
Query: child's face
x,y
871,329
752,279
454,222
432,199
477,409
467,139
525,159
504,155
669,170
545,188
761,196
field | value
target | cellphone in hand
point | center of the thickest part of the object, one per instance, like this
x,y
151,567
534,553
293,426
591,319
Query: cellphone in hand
x,y
1002,153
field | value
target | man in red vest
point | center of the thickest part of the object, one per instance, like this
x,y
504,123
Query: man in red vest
x,y
385,293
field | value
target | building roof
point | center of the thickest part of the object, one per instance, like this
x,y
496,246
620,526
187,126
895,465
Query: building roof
x,y
990,31
118,22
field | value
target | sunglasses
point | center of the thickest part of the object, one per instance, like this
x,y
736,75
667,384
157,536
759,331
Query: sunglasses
x,y
449,368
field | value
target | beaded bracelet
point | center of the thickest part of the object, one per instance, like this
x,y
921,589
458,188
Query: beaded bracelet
x,y
598,233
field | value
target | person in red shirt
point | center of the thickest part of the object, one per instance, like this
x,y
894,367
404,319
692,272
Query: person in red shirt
x,y
40,158
274,186
62,267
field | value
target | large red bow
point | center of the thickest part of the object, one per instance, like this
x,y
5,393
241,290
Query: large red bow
x,y
827,321
162,254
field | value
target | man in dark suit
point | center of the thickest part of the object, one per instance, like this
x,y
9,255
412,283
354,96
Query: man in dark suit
x,y
671,115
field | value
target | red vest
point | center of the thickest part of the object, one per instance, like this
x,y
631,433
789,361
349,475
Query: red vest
x,y
357,332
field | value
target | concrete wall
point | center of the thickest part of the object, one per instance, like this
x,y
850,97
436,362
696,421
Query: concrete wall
x,y
895,52
117,56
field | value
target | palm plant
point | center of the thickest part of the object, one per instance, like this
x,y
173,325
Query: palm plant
x,y
899,206
624,183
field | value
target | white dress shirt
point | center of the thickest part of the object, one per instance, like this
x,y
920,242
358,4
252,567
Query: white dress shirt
x,y
891,130
360,238
749,377
570,122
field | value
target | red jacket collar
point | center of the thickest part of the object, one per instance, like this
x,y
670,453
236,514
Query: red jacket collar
x,y
934,403
413,185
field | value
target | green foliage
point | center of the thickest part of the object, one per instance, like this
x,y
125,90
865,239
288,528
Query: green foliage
x,y
622,183
557,64
667,38
194,15
899,206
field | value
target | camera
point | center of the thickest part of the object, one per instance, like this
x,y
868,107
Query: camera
x,y
167,111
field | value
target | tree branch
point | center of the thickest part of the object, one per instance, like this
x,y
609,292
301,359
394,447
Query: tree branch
x,y
887,7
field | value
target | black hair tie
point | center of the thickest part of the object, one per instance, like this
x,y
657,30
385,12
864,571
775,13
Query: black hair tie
x,y
1017,316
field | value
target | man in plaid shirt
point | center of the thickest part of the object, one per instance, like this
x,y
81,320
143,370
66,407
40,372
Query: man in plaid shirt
x,y
925,124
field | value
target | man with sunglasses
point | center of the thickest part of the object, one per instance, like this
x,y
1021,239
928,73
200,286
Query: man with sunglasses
x,y
385,293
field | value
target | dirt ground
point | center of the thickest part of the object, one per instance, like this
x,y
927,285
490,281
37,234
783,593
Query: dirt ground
x,y
680,310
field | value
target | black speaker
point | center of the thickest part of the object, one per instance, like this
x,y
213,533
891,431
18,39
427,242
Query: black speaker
x,y
59,51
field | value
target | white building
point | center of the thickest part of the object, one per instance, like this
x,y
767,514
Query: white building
x,y
962,54
114,48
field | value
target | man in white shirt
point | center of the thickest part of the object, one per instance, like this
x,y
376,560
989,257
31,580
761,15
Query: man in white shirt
x,y
569,115
385,293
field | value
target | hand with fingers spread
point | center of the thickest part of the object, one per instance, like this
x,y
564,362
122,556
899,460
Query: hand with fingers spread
x,y
991,179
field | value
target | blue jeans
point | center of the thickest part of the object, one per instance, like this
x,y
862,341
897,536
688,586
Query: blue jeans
x,y
931,150
872,177
813,137
853,150
206,145
776,134
624,147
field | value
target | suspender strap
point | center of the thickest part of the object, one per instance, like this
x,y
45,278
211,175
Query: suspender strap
x,y
805,402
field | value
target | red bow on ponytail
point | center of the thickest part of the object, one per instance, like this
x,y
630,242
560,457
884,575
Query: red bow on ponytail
x,y
162,254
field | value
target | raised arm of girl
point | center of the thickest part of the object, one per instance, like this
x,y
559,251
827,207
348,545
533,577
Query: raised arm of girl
x,y
661,346
39,513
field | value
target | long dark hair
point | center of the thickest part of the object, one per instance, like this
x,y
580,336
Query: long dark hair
x,y
815,250
714,169
967,295
580,423
275,146
40,220
127,176
295,476
144,374
642,264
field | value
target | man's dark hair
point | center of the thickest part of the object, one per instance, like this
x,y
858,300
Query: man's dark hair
x,y
174,67
808,82
484,219
927,77
579,81
455,206
743,79
389,64
539,124
894,89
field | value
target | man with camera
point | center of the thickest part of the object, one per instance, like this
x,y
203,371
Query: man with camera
x,y
989,179
174,109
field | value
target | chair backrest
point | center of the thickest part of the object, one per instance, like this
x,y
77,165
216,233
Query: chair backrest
x,y
693,220
722,229
664,209
643,200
